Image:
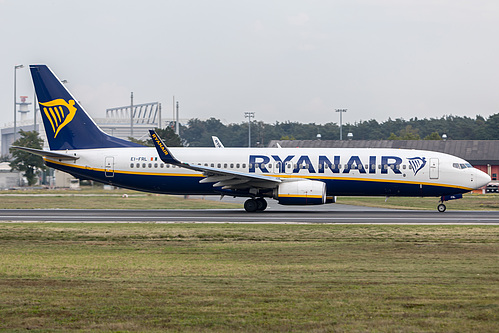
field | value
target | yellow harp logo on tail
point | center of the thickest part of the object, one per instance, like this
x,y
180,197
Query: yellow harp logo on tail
x,y
59,113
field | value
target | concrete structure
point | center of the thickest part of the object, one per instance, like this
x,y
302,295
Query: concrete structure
x,y
9,179
8,135
482,154
118,123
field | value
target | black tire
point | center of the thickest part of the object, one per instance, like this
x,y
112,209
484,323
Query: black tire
x,y
261,204
441,208
250,205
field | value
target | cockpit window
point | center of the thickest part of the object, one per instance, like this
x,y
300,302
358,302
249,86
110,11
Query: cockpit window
x,y
461,165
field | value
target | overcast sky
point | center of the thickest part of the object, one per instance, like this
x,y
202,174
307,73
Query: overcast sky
x,y
285,60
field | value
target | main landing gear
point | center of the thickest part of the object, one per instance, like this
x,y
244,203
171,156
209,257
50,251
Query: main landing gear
x,y
253,205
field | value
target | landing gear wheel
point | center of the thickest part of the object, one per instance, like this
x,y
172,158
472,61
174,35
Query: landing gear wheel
x,y
261,204
250,205
441,208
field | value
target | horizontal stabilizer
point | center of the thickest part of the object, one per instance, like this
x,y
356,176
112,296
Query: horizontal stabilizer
x,y
47,153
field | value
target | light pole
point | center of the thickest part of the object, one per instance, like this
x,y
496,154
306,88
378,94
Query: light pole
x,y
16,67
131,114
341,121
249,115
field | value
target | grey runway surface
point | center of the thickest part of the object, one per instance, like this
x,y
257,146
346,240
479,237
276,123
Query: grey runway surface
x,y
304,215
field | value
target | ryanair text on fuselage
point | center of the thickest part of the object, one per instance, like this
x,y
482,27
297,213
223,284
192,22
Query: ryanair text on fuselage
x,y
335,164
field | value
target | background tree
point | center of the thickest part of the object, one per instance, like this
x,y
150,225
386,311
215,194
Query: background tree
x,y
197,133
166,134
433,136
24,161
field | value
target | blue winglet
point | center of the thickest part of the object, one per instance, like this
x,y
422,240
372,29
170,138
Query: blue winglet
x,y
164,153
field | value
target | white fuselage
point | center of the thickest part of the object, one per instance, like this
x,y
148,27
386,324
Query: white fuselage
x,y
391,172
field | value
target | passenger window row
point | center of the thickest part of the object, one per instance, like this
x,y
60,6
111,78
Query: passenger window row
x,y
288,166
334,166
162,165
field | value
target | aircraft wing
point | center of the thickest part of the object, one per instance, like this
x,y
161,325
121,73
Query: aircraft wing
x,y
47,153
227,179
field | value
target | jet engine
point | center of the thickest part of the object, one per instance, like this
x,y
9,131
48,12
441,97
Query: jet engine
x,y
301,192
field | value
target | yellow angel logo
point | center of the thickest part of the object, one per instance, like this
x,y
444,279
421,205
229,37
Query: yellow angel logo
x,y
59,113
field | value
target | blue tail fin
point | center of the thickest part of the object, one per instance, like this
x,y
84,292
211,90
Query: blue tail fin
x,y
67,125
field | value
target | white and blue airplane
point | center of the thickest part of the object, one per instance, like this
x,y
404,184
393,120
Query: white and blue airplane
x,y
292,176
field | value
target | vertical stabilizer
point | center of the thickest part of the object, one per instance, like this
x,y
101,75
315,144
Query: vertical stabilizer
x,y
67,124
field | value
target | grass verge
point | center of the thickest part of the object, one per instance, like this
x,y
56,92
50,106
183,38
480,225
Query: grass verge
x,y
468,202
106,200
202,278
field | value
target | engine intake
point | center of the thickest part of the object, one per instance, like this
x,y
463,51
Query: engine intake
x,y
301,192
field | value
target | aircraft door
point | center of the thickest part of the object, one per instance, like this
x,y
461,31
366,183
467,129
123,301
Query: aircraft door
x,y
288,167
109,166
434,168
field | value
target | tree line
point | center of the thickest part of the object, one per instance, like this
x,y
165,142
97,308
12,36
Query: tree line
x,y
197,133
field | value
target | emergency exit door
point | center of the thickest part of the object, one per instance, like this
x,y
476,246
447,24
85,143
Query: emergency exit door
x,y
434,168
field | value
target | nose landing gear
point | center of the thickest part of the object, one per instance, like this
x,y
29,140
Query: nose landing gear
x,y
441,207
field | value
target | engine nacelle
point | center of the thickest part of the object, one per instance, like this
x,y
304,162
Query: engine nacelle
x,y
301,192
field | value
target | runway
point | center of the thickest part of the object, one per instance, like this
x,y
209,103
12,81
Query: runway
x,y
354,216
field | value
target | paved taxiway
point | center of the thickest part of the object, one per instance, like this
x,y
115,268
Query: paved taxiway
x,y
240,216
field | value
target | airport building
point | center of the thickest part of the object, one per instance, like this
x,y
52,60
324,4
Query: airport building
x,y
482,154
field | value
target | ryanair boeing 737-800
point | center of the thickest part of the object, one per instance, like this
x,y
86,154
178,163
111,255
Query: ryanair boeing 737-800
x,y
292,176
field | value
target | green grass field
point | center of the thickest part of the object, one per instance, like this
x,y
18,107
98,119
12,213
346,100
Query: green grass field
x,y
468,202
247,278
64,199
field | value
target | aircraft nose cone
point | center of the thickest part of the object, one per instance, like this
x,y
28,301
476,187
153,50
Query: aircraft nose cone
x,y
482,179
